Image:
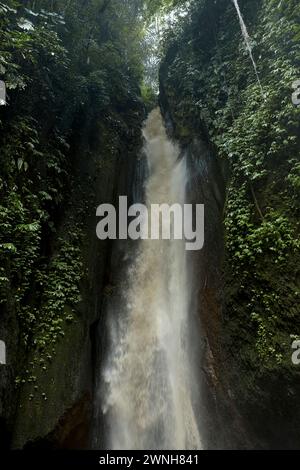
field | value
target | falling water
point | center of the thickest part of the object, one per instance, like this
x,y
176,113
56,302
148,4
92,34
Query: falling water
x,y
148,379
248,44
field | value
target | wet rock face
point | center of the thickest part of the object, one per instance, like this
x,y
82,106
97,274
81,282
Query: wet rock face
x,y
9,335
207,185
72,430
203,189
60,414
253,315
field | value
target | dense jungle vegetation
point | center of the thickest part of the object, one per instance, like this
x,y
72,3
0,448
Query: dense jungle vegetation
x,y
65,64
210,82
77,94
76,87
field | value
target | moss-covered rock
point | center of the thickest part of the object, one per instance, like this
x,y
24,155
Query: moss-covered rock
x,y
209,87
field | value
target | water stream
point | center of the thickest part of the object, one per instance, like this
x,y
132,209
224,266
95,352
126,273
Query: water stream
x,y
148,379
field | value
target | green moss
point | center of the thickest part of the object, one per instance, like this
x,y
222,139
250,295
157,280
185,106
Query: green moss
x,y
211,90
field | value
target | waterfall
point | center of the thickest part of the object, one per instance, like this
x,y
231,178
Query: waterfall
x,y
147,398
248,44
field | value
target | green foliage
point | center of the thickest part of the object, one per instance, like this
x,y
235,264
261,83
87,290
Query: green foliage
x,y
210,82
70,68
162,6
148,96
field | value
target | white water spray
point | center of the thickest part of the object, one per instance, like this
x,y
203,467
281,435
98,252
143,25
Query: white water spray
x,y
248,44
148,380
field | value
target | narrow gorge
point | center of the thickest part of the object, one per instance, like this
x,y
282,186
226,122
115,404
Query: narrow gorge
x,y
127,344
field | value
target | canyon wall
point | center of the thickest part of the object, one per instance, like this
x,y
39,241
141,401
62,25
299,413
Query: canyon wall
x,y
243,150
